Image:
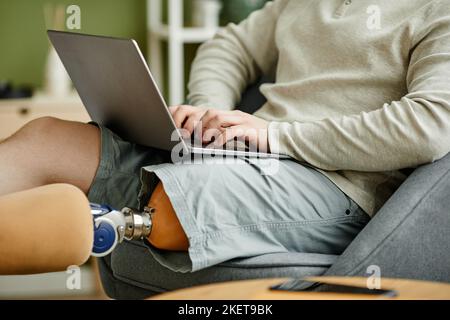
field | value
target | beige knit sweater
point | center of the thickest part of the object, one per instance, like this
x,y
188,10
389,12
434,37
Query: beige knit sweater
x,y
362,87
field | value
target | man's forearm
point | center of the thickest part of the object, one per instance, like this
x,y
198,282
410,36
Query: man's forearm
x,y
403,134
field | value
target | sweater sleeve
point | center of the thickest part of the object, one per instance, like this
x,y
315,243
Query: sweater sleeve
x,y
236,56
401,134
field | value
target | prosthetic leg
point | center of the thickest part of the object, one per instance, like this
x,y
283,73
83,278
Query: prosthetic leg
x,y
44,229
112,227
49,228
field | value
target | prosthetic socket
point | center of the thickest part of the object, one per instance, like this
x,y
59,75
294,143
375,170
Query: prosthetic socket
x,y
112,227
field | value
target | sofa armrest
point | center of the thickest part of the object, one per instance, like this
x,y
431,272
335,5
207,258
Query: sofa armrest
x,y
409,237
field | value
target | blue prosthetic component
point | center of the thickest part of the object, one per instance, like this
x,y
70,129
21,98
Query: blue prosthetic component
x,y
104,238
111,227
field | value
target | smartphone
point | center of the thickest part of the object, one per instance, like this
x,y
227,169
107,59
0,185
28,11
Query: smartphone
x,y
296,285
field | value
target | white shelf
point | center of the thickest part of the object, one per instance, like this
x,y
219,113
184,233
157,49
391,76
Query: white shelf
x,y
177,36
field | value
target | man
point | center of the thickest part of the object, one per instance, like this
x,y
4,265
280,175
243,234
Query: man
x,y
361,93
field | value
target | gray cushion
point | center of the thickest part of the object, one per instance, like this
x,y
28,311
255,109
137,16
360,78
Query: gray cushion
x,y
409,237
132,272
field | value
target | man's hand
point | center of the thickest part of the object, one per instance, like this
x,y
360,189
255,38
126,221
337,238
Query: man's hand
x,y
217,127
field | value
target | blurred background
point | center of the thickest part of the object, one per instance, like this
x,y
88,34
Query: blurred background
x,y
33,83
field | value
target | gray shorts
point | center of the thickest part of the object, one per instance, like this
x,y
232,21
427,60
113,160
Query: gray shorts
x,y
233,208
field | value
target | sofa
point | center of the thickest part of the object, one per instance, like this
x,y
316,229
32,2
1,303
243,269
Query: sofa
x,y
408,238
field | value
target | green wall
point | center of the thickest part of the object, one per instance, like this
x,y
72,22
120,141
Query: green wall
x,y
24,44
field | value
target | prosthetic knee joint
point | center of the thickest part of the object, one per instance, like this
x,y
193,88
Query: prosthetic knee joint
x,y
112,227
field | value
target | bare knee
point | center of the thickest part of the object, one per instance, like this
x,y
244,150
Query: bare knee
x,y
42,123
41,129
62,151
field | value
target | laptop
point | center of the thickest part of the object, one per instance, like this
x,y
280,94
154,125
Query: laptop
x,y
118,91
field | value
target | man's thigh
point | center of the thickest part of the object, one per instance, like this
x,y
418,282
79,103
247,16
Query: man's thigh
x,y
238,210
117,182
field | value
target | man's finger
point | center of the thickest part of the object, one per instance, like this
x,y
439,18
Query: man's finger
x,y
173,109
219,121
223,121
180,115
211,135
227,135
209,114
192,121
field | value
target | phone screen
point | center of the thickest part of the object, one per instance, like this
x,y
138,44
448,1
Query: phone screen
x,y
307,286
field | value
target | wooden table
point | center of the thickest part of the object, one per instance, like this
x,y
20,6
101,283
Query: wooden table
x,y
259,290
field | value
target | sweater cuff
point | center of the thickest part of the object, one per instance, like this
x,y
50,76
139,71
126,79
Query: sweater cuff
x,y
273,139
276,132
280,136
